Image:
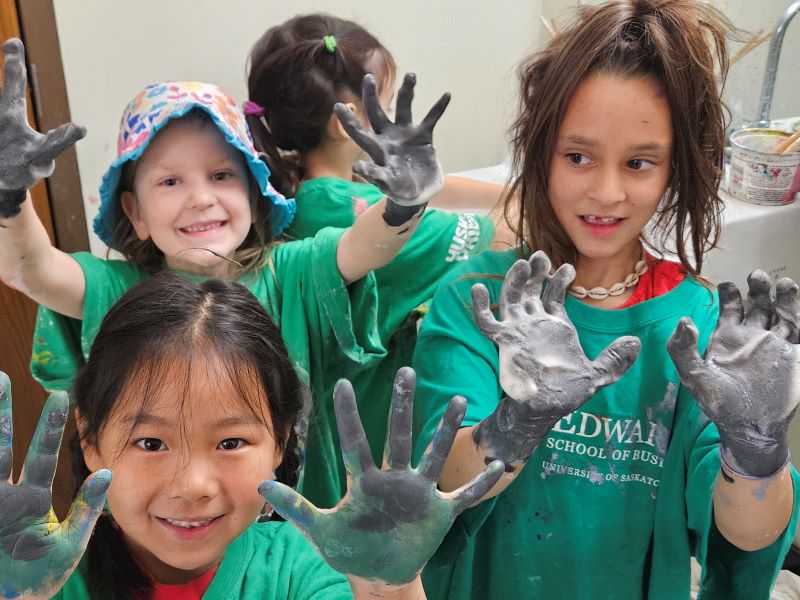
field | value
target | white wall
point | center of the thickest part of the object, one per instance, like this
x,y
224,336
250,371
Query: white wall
x,y
112,48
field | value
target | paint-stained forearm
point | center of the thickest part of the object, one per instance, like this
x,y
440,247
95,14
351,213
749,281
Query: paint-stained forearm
x,y
405,168
751,514
27,260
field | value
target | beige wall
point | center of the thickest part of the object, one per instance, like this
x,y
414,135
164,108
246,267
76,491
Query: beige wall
x,y
111,48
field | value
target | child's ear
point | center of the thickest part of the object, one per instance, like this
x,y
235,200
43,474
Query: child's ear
x,y
131,208
90,454
334,130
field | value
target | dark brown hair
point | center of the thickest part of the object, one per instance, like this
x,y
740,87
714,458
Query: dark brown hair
x,y
677,43
252,254
296,79
160,322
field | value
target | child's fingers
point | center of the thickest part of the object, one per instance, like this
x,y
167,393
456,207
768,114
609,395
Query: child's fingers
x,y
40,463
787,308
512,289
556,291
470,494
57,140
356,454
760,310
616,359
398,439
432,462
682,347
434,114
484,318
290,505
15,72
372,104
404,98
365,139
88,504
6,428
731,307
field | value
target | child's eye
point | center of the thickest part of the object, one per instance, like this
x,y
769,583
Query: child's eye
x,y
169,182
223,175
231,444
640,164
150,444
576,158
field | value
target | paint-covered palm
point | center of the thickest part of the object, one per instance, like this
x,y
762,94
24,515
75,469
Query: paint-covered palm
x,y
392,520
748,383
37,553
405,166
543,369
26,156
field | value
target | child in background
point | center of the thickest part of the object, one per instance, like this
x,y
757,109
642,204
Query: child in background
x,y
188,193
189,397
610,489
297,71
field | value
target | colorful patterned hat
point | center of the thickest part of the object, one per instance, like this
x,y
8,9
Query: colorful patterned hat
x,y
150,110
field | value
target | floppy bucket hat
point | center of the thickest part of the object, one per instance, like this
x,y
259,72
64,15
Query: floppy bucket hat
x,y
154,107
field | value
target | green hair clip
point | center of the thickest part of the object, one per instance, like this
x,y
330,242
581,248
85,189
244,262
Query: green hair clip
x,y
330,43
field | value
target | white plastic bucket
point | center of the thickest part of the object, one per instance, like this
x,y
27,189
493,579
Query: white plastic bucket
x,y
757,174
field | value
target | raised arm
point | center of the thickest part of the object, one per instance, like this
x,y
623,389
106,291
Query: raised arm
x,y
37,553
748,383
391,520
28,262
543,371
404,167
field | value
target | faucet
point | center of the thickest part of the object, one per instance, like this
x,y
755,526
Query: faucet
x,y
775,44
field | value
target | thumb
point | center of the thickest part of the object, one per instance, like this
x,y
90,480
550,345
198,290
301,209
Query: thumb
x,y
291,506
616,359
88,504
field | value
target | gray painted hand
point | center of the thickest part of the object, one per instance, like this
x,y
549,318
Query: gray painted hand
x,y
390,521
405,166
26,156
543,368
37,553
748,383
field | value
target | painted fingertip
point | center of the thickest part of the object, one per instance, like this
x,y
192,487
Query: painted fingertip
x,y
267,487
786,285
12,46
98,485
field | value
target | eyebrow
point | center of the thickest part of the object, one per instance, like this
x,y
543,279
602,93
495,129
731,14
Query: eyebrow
x,y
582,141
151,419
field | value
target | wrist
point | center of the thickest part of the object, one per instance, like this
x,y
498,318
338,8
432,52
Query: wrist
x,y
398,214
512,432
371,588
766,465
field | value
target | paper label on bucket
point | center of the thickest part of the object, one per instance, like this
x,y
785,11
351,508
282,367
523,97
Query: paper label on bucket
x,y
763,177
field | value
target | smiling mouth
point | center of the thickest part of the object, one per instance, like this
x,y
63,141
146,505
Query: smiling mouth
x,y
595,220
202,227
194,524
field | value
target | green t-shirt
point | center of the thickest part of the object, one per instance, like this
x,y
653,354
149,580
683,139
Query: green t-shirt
x,y
619,494
330,329
404,286
267,561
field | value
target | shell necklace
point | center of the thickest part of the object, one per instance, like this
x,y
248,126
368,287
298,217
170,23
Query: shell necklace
x,y
601,293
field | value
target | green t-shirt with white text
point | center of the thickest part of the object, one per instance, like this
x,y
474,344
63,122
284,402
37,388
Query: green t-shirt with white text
x,y
618,496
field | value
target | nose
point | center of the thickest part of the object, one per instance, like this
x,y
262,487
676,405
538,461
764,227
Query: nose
x,y
608,185
194,479
201,196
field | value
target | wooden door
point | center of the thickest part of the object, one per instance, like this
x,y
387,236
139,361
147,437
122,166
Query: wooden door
x,y
17,312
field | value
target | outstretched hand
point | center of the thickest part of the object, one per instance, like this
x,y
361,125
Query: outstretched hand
x,y
26,156
390,521
748,383
405,166
543,369
37,553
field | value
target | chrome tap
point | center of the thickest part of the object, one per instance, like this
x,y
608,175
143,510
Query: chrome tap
x,y
771,71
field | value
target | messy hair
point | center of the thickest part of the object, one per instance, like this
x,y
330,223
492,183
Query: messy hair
x,y
163,322
252,254
681,45
297,79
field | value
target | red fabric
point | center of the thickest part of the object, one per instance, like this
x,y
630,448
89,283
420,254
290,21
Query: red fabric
x,y
661,277
193,590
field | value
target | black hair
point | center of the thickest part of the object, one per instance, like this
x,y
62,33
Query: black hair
x,y
162,319
297,78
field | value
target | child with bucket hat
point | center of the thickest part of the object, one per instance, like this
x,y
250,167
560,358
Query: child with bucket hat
x,y
188,193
